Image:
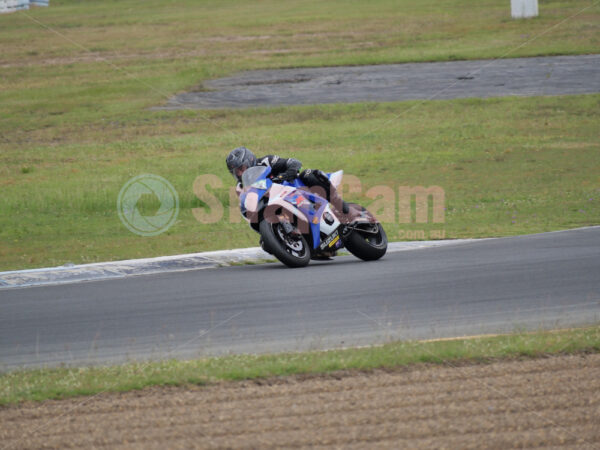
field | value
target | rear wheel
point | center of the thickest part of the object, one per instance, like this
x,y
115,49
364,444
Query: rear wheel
x,y
366,241
291,249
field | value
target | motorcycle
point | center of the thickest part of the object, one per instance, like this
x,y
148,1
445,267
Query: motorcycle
x,y
296,224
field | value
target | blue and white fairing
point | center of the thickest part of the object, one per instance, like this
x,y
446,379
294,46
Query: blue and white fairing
x,y
294,198
316,207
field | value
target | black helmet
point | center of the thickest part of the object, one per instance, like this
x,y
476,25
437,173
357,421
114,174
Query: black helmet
x,y
238,160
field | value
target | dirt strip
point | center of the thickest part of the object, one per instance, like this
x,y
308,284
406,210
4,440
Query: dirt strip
x,y
552,402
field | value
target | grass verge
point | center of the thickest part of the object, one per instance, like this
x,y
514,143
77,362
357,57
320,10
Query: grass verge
x,y
39,385
507,166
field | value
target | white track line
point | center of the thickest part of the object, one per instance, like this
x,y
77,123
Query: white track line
x,y
176,263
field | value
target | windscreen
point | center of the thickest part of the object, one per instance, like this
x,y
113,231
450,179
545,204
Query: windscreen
x,y
252,174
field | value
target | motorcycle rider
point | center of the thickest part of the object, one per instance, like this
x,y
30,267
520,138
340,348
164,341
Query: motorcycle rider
x,y
288,169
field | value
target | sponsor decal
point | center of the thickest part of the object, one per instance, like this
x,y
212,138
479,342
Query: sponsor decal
x,y
330,241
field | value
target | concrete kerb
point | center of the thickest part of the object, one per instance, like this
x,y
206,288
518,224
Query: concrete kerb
x,y
71,273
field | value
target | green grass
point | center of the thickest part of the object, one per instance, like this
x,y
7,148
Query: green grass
x,y
39,385
74,129
55,82
507,166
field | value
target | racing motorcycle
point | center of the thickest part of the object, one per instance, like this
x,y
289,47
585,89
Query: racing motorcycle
x,y
297,225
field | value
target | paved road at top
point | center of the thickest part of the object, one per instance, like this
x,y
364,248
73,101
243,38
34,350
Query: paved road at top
x,y
555,75
546,280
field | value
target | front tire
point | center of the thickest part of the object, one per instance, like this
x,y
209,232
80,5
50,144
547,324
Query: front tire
x,y
291,250
367,241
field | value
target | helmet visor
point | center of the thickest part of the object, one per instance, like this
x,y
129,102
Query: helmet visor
x,y
238,171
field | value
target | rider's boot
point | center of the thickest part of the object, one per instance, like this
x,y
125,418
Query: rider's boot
x,y
345,212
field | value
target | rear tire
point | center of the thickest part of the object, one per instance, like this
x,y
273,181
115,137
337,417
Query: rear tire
x,y
365,245
291,250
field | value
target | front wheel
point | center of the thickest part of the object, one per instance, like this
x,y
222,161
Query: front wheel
x,y
366,241
290,249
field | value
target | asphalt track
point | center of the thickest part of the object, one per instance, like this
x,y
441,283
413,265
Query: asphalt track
x,y
554,75
527,282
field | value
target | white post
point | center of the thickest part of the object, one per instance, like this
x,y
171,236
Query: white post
x,y
522,9
8,6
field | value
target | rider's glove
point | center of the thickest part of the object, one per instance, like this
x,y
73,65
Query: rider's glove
x,y
289,175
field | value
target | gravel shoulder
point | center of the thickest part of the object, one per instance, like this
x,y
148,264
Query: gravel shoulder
x,y
551,402
556,75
